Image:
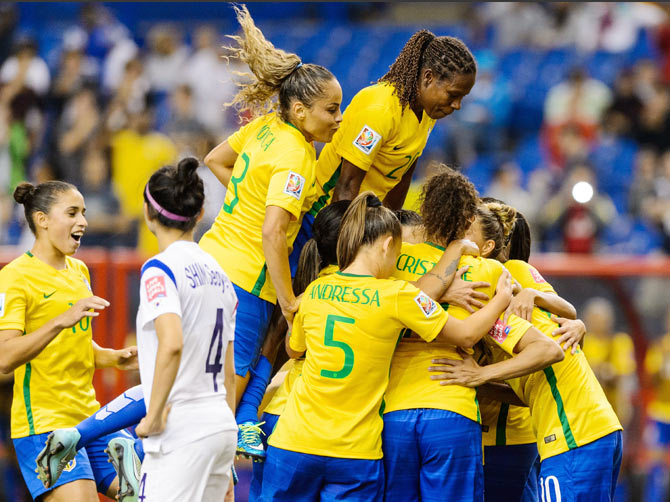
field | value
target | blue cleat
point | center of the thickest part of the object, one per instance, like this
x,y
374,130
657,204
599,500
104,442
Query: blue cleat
x,y
60,449
121,453
249,442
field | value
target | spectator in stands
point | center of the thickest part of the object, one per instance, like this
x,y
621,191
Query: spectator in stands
x,y
626,102
611,355
8,22
25,69
506,186
79,122
130,96
184,127
74,71
642,192
107,225
578,216
167,58
211,79
654,125
138,151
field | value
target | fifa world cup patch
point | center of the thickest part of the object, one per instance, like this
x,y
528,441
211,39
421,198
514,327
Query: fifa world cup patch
x,y
367,139
426,304
294,185
499,331
155,288
537,277
2,304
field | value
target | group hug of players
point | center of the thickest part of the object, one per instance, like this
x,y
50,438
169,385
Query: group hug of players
x,y
428,360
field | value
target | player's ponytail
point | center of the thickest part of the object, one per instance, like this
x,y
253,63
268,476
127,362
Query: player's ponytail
x,y
448,204
520,239
365,221
496,221
175,195
39,198
446,57
321,250
275,72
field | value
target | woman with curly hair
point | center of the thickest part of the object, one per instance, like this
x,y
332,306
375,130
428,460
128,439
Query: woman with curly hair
x,y
432,434
269,168
386,125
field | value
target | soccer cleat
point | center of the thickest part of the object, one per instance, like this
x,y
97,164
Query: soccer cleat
x,y
249,442
59,450
121,453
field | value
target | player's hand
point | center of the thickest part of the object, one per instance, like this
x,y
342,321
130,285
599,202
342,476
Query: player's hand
x,y
522,305
126,359
571,332
464,293
289,310
465,372
466,246
86,307
152,426
504,286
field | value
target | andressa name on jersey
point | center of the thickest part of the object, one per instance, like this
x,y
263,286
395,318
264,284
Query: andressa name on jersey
x,y
199,274
345,294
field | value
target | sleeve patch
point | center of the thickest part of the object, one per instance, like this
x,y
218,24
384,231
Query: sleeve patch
x,y
426,304
499,331
537,277
155,288
294,185
367,139
2,304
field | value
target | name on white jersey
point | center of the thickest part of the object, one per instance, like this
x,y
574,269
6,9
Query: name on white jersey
x,y
199,274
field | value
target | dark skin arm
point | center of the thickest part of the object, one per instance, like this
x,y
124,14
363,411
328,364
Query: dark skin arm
x,y
349,184
499,392
395,199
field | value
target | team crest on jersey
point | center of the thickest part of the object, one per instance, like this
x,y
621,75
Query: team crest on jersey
x,y
294,185
70,465
537,277
367,139
499,331
2,304
426,304
155,288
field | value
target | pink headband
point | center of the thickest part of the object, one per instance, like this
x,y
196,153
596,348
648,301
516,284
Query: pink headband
x,y
164,212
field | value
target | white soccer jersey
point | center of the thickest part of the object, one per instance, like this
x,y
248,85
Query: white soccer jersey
x,y
187,281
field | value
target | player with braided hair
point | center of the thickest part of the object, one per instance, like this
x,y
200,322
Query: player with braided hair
x,y
386,125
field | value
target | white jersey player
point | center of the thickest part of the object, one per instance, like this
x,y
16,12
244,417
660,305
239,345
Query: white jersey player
x,y
185,327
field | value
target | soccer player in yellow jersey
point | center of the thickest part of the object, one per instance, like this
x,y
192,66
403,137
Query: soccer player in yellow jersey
x,y
46,309
577,432
386,125
268,167
432,437
327,443
509,442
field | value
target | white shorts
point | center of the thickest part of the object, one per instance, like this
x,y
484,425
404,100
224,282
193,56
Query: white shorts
x,y
197,471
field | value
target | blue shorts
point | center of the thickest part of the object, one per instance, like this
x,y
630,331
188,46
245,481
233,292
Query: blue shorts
x,y
253,317
300,477
304,234
432,455
588,472
661,432
506,471
257,467
89,463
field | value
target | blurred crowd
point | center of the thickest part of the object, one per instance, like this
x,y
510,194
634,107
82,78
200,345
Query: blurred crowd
x,y
569,121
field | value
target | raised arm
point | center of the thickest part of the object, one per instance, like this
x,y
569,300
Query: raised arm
x,y
436,281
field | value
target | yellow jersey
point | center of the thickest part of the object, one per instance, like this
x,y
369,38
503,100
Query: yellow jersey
x,y
135,157
568,407
614,355
657,364
274,167
378,137
410,386
278,401
55,389
349,325
502,423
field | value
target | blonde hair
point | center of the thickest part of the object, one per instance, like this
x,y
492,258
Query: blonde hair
x,y
364,222
497,222
275,72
